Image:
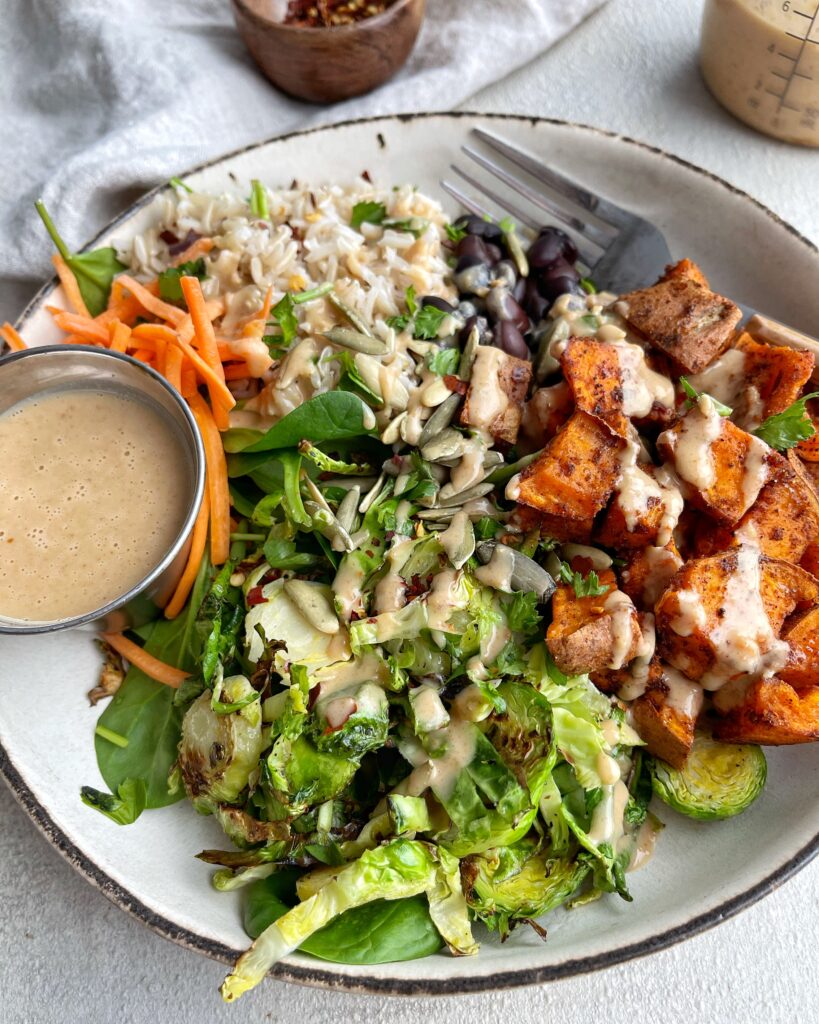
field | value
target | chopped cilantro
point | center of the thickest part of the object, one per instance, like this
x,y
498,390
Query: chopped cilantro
x,y
693,396
169,287
786,429
584,586
444,361
521,613
369,212
428,322
455,233
588,286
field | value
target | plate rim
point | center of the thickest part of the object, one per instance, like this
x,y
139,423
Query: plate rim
x,y
317,977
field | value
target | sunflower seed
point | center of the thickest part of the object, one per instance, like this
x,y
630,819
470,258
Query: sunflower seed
x,y
356,341
336,534
347,509
314,602
350,315
526,574
517,253
440,419
372,494
435,393
392,431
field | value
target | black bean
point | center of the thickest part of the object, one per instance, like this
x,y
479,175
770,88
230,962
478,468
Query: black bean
x,y
501,306
473,278
472,250
519,291
494,251
474,321
559,285
506,272
442,304
474,225
532,301
568,250
467,308
510,340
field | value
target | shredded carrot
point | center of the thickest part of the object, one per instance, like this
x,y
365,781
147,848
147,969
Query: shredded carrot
x,y
220,395
237,371
144,355
217,480
147,663
206,343
173,366
200,247
150,302
189,383
85,327
12,338
126,310
70,285
199,538
118,336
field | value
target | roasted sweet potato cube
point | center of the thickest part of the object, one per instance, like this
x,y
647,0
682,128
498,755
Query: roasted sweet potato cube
x,y
772,713
810,559
527,520
592,634
544,414
497,391
684,319
725,467
648,572
802,634
576,473
720,615
592,371
665,715
774,377
809,450
637,513
782,522
685,270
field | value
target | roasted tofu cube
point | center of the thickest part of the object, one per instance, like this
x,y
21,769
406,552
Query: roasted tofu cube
x,y
723,466
648,572
576,473
685,270
810,559
497,391
593,634
544,414
801,632
720,617
684,319
614,382
771,713
665,715
782,522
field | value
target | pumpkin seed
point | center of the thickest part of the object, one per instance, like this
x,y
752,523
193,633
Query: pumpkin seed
x,y
468,354
504,473
392,432
350,315
449,444
348,508
314,601
517,253
440,419
527,575
356,341
478,491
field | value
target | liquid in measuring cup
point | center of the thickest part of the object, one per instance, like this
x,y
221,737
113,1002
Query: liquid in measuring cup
x,y
760,59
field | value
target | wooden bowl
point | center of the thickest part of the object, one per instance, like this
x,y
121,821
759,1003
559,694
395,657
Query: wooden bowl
x,y
325,65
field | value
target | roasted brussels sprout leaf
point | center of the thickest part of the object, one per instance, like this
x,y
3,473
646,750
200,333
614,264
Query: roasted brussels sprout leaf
x,y
718,780
125,807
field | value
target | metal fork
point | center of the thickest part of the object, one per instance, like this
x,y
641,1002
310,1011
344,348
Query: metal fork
x,y
618,249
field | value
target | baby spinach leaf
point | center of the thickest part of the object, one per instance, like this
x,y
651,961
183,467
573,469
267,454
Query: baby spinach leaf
x,y
93,270
352,380
331,416
376,933
280,553
124,808
144,713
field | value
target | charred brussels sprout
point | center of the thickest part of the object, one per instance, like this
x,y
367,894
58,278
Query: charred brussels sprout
x,y
718,780
518,883
351,722
299,776
218,752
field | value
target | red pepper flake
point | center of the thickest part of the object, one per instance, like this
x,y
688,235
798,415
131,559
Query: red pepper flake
x,y
254,597
457,387
328,13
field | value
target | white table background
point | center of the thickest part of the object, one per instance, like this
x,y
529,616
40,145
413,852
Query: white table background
x,y
67,955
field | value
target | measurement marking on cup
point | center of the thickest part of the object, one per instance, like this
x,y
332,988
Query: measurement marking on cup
x,y
803,41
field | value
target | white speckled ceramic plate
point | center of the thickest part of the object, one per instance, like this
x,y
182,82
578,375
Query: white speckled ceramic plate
x,y
701,873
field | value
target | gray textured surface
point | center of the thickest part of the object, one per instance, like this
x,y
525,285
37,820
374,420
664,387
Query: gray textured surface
x,y
70,956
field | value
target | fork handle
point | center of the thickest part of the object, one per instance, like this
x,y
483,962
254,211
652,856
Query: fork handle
x,y
774,333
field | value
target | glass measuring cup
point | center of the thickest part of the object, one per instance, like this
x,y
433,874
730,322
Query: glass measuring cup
x,y
760,59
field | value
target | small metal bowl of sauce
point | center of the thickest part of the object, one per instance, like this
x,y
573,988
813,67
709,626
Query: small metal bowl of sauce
x,y
101,477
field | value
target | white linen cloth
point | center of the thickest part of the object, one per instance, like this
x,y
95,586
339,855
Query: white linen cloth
x,y
103,99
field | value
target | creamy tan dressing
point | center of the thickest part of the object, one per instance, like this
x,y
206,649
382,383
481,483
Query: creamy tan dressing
x,y
724,379
497,573
641,385
760,59
607,769
644,844
684,695
93,492
488,400
635,686
607,817
440,773
618,605
347,587
744,642
690,614
344,674
458,539
673,503
443,598
755,470
469,470
693,458
662,565
391,590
